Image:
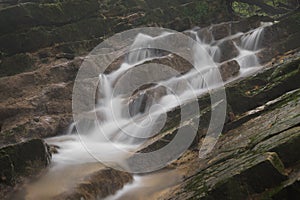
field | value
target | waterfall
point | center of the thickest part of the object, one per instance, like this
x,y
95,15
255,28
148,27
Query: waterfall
x,y
250,45
252,40
128,129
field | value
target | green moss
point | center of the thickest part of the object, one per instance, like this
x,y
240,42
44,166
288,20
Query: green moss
x,y
247,10
276,162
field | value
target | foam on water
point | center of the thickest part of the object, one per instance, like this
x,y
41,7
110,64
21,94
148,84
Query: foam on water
x,y
105,135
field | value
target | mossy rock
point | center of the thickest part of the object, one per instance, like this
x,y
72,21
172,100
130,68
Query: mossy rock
x,y
252,92
237,178
285,144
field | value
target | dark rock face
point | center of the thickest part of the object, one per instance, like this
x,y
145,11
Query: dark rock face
x,y
289,191
21,158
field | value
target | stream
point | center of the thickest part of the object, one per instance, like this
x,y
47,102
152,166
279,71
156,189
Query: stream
x,y
80,155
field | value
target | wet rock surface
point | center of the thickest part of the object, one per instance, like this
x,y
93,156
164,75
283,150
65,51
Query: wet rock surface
x,y
23,158
229,69
98,185
38,103
257,155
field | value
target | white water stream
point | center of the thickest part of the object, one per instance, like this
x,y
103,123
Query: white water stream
x,y
132,131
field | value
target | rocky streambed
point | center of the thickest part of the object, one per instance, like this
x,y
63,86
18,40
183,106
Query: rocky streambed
x,y
256,156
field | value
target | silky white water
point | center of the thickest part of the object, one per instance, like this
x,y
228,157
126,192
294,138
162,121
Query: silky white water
x,y
121,129
116,130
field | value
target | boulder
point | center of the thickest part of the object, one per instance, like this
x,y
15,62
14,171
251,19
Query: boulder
x,y
220,31
176,62
229,69
23,158
228,50
245,25
205,35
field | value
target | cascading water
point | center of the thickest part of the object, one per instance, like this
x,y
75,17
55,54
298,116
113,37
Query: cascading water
x,y
250,45
114,107
134,127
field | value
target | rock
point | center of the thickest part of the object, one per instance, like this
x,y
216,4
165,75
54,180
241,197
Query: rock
x,y
228,50
68,56
168,59
25,127
229,69
280,37
44,94
22,158
289,191
43,24
220,31
225,29
257,159
47,14
175,62
205,35
141,101
237,179
245,25
16,64
180,24
100,184
285,144
53,149
37,103
264,86
272,81
7,170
